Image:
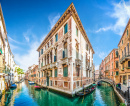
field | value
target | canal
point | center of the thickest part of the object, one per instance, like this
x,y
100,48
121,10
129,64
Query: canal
x,y
26,95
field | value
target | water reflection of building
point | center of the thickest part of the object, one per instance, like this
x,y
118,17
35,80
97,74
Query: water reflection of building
x,y
108,95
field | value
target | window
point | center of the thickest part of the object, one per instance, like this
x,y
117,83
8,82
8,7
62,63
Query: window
x,y
86,46
65,84
55,82
116,53
55,56
66,28
127,32
112,55
122,41
65,71
128,63
77,51
76,31
77,71
77,84
41,51
51,73
128,48
42,74
65,50
56,37
50,82
112,65
123,66
39,74
55,72
116,64
44,82
117,73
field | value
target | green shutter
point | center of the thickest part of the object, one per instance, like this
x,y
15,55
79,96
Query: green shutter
x,y
1,51
127,32
55,72
117,73
56,37
65,28
65,72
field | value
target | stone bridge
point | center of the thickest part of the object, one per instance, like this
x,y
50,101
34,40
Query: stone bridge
x,y
111,82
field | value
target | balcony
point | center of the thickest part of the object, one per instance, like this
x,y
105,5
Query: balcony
x,y
125,57
78,62
106,71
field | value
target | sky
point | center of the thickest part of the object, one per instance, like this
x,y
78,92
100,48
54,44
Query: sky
x,y
29,21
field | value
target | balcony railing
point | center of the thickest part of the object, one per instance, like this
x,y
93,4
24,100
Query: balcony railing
x,y
106,71
124,57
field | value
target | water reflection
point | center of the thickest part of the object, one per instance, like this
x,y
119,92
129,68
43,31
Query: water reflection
x,y
27,95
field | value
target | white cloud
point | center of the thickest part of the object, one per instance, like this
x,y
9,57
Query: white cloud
x,y
53,20
12,40
97,67
28,59
27,34
102,55
103,29
31,56
121,12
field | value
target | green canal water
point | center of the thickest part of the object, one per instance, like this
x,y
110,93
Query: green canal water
x,y
26,95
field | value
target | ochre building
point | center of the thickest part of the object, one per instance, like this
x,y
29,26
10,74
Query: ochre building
x,y
124,56
109,67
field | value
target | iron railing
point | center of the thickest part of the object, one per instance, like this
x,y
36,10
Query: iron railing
x,y
127,54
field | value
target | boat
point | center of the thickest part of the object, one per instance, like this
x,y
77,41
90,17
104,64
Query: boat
x,y
86,91
13,86
31,83
37,87
99,83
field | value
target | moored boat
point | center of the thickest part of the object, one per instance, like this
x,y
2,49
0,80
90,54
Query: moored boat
x,y
86,91
13,86
37,87
31,83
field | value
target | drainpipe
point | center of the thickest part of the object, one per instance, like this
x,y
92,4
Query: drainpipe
x,y
72,78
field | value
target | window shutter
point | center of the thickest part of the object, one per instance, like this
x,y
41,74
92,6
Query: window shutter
x,y
63,54
65,71
55,72
54,58
66,28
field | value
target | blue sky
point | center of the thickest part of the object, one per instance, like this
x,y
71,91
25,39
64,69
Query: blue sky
x,y
29,21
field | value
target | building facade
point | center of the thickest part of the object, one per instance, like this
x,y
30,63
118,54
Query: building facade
x,y
109,68
7,64
66,55
124,56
